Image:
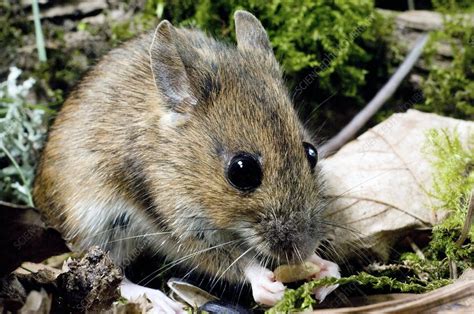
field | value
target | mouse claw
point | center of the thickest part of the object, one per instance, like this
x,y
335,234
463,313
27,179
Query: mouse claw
x,y
265,289
328,269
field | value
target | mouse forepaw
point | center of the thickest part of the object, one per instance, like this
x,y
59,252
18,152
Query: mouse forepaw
x,y
268,292
160,302
328,269
265,289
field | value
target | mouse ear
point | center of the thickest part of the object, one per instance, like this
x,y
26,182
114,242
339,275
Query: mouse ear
x,y
169,71
250,32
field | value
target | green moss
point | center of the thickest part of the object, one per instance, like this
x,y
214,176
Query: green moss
x,y
449,90
143,20
10,32
453,5
453,184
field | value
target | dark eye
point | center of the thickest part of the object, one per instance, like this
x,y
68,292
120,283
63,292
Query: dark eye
x,y
244,172
311,154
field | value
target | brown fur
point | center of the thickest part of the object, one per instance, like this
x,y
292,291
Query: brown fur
x,y
121,137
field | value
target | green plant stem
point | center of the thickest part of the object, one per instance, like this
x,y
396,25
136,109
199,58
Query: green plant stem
x,y
376,282
38,32
28,194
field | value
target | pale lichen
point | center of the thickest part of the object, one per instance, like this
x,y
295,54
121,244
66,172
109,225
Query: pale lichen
x,y
23,128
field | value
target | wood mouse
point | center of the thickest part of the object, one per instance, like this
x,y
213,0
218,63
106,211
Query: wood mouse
x,y
195,145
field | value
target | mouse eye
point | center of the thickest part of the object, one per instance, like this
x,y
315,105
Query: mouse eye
x,y
244,172
311,154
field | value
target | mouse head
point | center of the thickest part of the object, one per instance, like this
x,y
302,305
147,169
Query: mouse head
x,y
235,161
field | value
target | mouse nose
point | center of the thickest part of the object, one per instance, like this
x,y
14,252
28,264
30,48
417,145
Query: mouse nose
x,y
289,238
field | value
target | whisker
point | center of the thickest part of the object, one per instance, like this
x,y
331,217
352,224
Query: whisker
x,y
232,264
341,226
138,236
243,285
333,198
298,253
183,259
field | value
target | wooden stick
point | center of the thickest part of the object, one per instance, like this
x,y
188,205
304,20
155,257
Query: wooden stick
x,y
350,130
461,290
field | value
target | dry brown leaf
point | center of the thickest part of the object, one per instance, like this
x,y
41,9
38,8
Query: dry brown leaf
x,y
382,182
28,267
25,237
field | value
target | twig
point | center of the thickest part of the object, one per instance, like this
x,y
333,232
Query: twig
x,y
38,32
467,222
453,269
350,130
445,298
26,269
416,249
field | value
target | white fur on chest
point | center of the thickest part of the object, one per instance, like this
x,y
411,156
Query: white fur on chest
x,y
95,225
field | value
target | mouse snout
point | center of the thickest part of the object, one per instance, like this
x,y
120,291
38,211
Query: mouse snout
x,y
289,238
